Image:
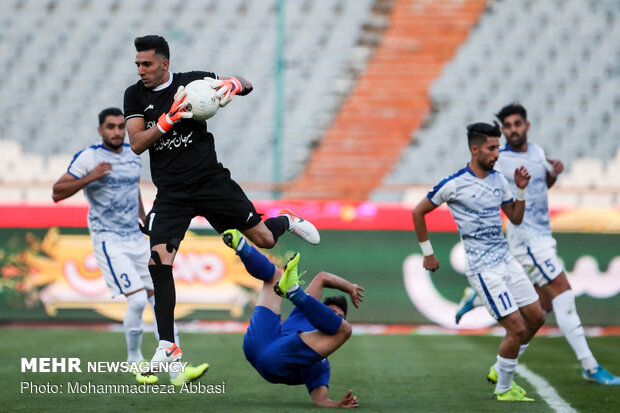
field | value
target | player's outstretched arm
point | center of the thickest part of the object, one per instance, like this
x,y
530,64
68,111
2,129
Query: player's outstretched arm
x,y
68,184
319,398
325,279
516,209
419,221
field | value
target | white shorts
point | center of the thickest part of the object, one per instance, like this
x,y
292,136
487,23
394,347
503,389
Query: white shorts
x,y
540,260
124,265
503,289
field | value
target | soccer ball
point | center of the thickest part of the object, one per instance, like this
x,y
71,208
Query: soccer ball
x,y
202,100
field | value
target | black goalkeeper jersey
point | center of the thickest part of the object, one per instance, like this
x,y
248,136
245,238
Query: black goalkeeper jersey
x,y
184,154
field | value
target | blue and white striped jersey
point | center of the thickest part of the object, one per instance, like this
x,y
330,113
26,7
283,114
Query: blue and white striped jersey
x,y
536,219
475,205
113,199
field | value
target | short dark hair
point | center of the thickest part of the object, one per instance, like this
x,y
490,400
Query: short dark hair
x,y
339,301
153,42
109,112
478,133
512,109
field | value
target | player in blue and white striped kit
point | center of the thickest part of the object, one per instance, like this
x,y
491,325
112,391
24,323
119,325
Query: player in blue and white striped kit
x,y
532,242
475,195
109,174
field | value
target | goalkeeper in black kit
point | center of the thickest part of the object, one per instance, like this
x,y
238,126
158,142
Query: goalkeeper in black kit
x,y
189,179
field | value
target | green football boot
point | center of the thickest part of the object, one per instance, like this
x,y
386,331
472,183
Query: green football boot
x,y
512,395
492,378
190,374
290,278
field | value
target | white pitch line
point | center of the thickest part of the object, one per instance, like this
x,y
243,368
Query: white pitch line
x,y
545,390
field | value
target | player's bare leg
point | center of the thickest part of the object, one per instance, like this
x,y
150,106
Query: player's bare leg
x,y
544,298
260,235
267,297
533,318
514,337
504,369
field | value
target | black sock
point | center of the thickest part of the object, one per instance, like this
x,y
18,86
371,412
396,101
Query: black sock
x,y
277,226
165,300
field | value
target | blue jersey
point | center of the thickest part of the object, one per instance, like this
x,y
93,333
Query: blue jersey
x,y
475,205
536,219
113,199
278,353
316,374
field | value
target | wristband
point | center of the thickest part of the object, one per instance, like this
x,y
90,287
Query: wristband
x,y
163,123
520,196
427,248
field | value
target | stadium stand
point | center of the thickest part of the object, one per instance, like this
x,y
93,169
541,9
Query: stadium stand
x,y
377,92
388,102
559,59
71,58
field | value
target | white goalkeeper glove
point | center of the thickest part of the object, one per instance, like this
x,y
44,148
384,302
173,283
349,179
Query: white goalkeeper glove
x,y
226,89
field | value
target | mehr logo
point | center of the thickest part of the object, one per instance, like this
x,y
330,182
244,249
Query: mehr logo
x,y
73,364
51,365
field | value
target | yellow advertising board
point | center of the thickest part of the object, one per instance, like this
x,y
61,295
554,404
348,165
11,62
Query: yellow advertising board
x,y
208,276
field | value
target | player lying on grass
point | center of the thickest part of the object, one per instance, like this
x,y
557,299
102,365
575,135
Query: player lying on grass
x,y
109,174
295,351
532,242
475,195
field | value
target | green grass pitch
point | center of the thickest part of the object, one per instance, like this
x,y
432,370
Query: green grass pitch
x,y
387,373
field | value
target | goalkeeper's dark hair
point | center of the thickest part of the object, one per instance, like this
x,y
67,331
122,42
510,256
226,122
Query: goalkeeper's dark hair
x,y
109,112
339,301
512,109
478,133
153,42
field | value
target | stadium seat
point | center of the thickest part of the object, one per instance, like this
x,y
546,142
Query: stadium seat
x,y
557,59
81,51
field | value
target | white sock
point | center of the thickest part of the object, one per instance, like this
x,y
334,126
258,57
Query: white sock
x,y
132,324
176,330
522,349
505,373
290,220
570,324
165,343
477,301
242,243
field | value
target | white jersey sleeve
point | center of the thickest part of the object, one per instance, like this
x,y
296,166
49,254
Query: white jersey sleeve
x,y
82,164
444,191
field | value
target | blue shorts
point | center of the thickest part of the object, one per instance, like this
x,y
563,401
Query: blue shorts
x,y
278,358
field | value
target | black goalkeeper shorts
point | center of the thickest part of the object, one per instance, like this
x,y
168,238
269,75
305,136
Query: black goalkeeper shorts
x,y
217,198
